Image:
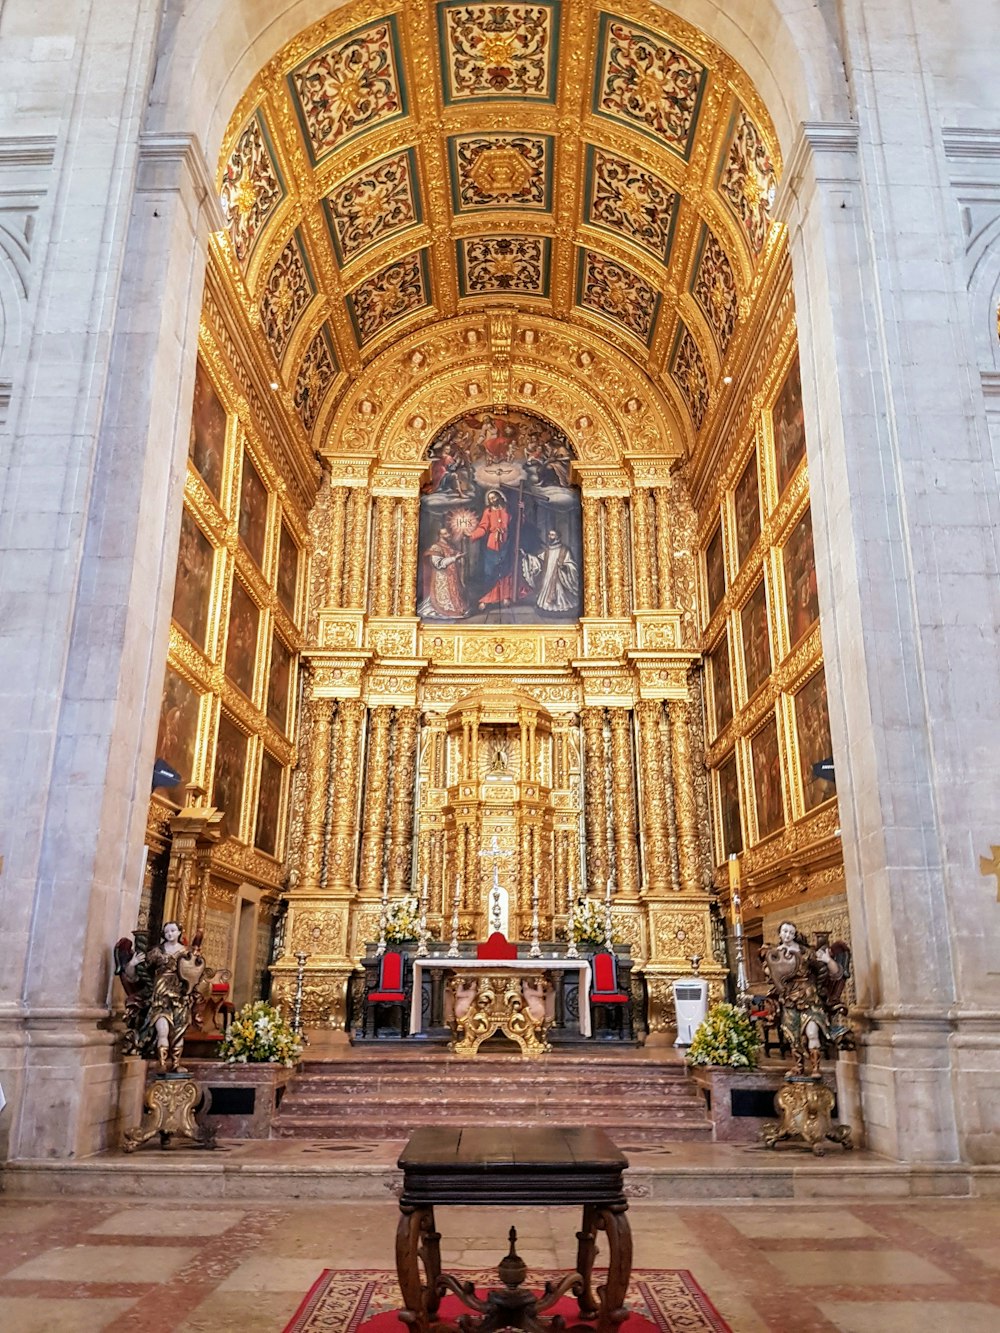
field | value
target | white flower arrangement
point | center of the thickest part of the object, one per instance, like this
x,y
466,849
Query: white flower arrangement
x,y
726,1037
259,1034
402,919
587,922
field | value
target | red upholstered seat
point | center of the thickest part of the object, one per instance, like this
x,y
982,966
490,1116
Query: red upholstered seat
x,y
604,974
390,981
497,947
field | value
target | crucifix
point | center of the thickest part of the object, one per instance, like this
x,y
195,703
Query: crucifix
x,y
494,851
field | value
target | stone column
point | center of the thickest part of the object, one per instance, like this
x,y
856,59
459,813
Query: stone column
x,y
358,506
344,814
406,591
654,816
384,563
376,803
643,552
338,535
593,572
664,549
685,801
617,556
403,789
623,805
595,764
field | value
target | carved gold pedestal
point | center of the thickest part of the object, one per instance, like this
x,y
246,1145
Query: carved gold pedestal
x,y
806,1106
169,1111
499,1005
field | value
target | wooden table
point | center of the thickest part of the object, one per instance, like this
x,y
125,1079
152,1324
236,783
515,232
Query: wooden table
x,y
497,1167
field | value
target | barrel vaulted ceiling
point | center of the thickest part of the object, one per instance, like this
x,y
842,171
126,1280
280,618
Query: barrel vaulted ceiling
x,y
393,167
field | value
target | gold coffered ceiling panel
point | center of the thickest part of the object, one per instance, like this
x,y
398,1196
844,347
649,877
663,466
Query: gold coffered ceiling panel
x,y
393,167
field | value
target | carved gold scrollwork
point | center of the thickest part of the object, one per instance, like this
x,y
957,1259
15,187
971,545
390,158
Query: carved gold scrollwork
x,y
314,817
343,823
375,806
357,547
643,554
623,805
596,818
593,578
685,800
403,771
617,555
338,537
654,797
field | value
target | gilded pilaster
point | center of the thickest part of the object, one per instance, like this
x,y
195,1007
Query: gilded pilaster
x,y
343,823
317,794
593,572
664,549
406,592
338,538
643,556
685,803
623,805
614,544
403,786
595,795
383,563
357,547
376,803
655,814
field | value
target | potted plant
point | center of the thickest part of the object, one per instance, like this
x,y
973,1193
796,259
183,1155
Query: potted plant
x,y
259,1034
727,1037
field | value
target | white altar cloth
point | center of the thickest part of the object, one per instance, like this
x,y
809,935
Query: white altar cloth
x,y
502,967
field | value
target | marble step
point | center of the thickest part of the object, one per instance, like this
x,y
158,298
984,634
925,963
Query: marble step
x,y
390,1086
471,1108
622,1130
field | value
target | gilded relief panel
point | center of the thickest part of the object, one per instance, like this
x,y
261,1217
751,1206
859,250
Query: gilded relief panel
x,y
747,178
499,51
501,171
380,201
688,371
617,293
630,201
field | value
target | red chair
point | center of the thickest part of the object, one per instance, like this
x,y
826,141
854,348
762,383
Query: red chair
x,y
390,990
604,990
497,947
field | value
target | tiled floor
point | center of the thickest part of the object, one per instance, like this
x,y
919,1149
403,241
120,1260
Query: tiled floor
x,y
79,1266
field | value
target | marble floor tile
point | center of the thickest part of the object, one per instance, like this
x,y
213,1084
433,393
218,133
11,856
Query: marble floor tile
x,y
40,1314
105,1263
911,1316
263,1272
247,1312
151,1221
854,1268
761,1223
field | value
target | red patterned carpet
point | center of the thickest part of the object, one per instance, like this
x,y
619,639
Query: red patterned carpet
x,y
664,1300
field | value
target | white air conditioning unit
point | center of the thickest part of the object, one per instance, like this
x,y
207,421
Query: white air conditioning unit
x,y
691,1003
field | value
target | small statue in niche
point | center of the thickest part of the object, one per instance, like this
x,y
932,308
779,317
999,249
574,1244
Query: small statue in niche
x,y
807,986
161,991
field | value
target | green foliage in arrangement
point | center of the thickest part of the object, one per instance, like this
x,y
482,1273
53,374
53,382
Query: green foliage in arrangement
x,y
259,1035
726,1037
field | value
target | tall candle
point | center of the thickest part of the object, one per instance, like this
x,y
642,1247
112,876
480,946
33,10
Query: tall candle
x,y
607,892
458,889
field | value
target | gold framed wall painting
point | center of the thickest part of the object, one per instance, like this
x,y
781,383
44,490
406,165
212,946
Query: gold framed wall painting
x,y
209,421
241,639
715,572
230,772
765,763
278,684
812,729
193,587
746,507
756,640
253,511
788,424
287,581
177,734
799,566
722,684
268,804
730,825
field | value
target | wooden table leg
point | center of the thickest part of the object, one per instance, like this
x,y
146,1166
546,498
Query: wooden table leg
x,y
614,1221
586,1248
431,1254
408,1234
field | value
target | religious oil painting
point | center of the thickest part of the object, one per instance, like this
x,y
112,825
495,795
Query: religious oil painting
x,y
812,723
288,570
230,767
722,685
799,564
208,431
789,427
178,730
278,683
268,804
241,641
715,571
500,533
195,558
756,645
729,807
253,512
746,502
767,780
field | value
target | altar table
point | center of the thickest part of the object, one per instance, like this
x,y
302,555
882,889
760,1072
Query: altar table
x,y
503,968
512,1167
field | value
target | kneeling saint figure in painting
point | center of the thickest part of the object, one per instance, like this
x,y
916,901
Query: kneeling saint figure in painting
x,y
553,575
445,589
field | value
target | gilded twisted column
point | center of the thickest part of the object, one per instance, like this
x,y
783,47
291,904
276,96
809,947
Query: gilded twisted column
x,y
317,793
655,814
357,547
385,512
524,896
343,823
403,786
406,591
643,552
623,805
614,544
338,538
593,572
595,795
664,548
685,803
376,803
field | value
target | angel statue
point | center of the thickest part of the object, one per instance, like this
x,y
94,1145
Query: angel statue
x,y
807,986
161,991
